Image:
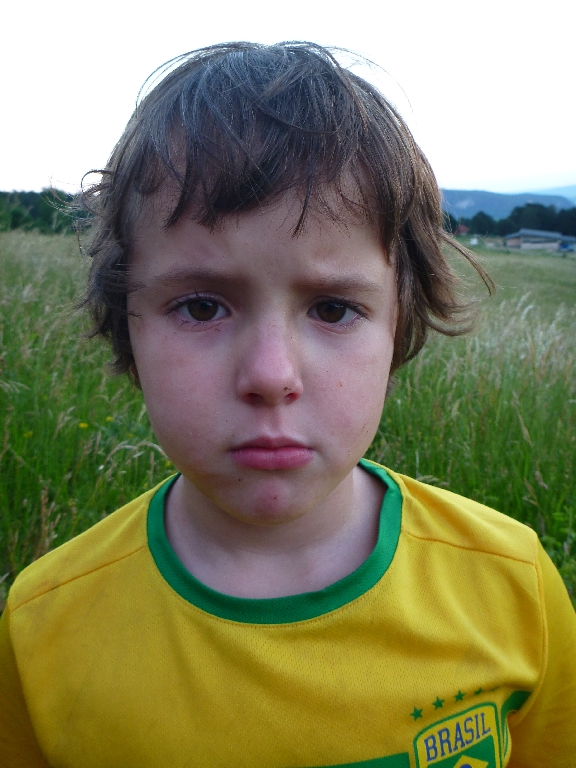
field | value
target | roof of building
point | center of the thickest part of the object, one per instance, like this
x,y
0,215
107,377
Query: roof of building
x,y
544,234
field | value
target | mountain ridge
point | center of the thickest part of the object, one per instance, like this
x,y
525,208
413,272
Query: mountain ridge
x,y
566,191
465,203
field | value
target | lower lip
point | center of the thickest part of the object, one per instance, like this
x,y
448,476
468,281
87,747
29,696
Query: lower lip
x,y
286,457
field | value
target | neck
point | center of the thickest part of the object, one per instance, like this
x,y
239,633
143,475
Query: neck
x,y
303,554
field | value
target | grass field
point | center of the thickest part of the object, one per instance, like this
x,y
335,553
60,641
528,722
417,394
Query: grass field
x,y
491,416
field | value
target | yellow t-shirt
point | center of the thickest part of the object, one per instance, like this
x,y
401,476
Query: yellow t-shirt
x,y
452,646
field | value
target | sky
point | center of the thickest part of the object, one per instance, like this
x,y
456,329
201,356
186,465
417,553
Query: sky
x,y
487,88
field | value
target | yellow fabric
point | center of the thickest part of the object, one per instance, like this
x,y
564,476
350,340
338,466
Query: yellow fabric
x,y
104,665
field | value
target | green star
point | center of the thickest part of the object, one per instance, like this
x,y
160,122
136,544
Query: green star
x,y
439,703
478,692
459,696
416,713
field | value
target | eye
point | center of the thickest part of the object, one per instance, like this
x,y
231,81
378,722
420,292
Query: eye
x,y
331,311
201,310
334,312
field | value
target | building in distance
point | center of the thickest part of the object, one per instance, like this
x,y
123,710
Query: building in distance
x,y
539,240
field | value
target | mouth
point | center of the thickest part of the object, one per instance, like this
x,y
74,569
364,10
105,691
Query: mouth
x,y
269,453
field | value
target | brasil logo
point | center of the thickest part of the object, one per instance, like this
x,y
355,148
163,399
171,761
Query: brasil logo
x,y
469,739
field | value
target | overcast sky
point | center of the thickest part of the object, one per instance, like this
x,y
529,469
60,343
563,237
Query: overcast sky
x,y
486,87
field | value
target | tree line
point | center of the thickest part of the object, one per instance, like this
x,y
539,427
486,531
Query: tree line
x,y
48,211
529,216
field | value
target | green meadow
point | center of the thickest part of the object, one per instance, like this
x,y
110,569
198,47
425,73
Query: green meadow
x,y
491,415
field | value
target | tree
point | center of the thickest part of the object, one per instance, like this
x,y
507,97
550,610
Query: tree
x,y
530,216
46,211
482,224
567,221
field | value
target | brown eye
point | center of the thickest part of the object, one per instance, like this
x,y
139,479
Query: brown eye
x,y
331,311
202,310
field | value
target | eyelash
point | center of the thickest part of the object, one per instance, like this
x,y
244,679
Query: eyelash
x,y
174,309
348,305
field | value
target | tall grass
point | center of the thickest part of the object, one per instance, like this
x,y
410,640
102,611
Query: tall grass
x,y
492,416
74,443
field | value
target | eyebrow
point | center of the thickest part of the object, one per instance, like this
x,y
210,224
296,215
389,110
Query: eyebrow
x,y
330,284
176,277
341,284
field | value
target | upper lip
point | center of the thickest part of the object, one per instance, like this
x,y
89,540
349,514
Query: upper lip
x,y
271,442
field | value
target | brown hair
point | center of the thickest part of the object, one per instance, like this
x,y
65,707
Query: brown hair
x,y
237,125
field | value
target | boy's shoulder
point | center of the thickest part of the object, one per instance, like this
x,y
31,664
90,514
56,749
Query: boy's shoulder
x,y
438,515
118,536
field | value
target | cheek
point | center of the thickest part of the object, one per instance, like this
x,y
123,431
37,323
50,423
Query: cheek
x,y
355,392
181,389
187,418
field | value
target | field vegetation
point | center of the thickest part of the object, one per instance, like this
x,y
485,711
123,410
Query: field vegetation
x,y
491,415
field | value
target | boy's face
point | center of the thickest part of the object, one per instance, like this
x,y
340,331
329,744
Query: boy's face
x,y
263,356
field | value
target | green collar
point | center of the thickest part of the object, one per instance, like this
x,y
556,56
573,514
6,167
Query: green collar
x,y
279,610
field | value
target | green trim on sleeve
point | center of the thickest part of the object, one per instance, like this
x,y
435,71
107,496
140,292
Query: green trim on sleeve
x,y
292,608
512,704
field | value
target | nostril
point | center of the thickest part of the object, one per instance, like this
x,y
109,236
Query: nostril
x,y
255,398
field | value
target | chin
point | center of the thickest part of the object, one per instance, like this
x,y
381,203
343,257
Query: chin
x,y
267,511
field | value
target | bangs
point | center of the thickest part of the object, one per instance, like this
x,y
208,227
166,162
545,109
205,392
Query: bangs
x,y
261,121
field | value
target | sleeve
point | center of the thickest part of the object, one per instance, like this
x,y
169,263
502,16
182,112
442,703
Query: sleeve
x,y
18,745
546,734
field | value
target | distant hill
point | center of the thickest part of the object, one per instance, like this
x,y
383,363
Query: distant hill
x,y
569,192
462,203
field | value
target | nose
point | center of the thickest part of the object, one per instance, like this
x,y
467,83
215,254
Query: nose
x,y
268,372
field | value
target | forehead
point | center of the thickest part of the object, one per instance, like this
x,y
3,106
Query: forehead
x,y
334,242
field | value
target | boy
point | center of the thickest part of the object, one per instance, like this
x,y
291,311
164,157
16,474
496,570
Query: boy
x,y
266,251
